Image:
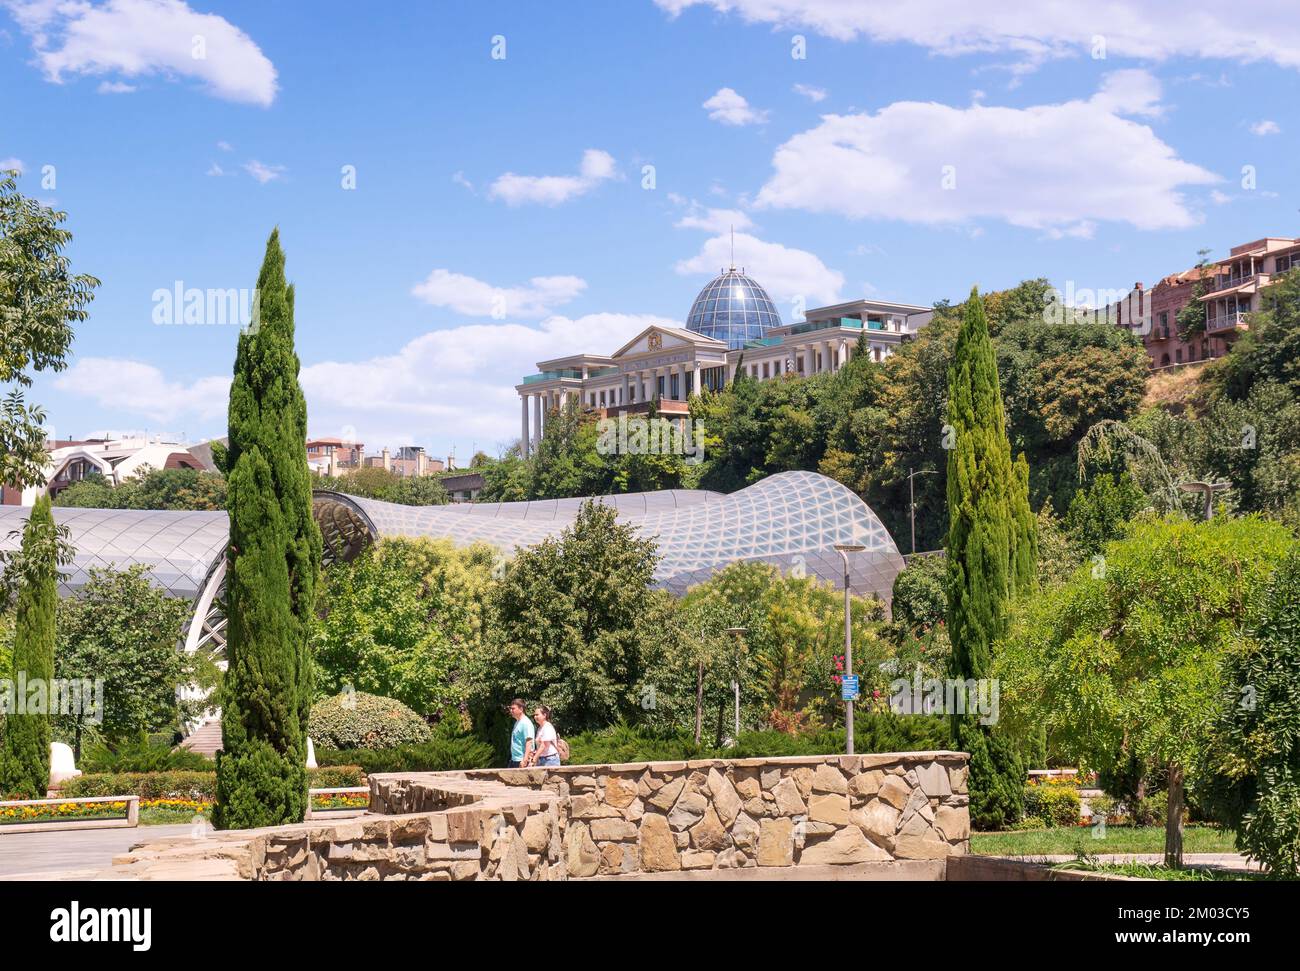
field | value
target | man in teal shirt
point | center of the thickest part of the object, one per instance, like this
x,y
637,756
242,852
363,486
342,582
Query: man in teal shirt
x,y
520,735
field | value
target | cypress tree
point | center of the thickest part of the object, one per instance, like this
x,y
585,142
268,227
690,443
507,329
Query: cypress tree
x,y
272,567
25,757
1024,552
982,566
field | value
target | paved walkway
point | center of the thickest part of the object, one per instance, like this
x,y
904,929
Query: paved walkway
x,y
75,849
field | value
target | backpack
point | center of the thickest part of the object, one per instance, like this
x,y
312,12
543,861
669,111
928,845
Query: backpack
x,y
562,748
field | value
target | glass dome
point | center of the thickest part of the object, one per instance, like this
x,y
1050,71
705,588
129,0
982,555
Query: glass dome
x,y
733,308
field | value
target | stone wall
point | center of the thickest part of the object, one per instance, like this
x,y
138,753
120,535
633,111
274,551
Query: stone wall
x,y
576,822
716,814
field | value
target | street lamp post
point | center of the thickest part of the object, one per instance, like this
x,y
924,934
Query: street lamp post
x,y
738,633
1206,490
911,500
844,549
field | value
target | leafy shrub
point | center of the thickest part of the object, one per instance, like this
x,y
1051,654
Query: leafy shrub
x,y
920,598
200,786
1052,805
873,732
356,720
196,786
441,754
1105,807
1151,810
141,754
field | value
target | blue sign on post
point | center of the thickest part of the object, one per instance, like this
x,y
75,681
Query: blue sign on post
x,y
849,688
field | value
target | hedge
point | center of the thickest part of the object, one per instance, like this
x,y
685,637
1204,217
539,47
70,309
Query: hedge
x,y
439,755
199,786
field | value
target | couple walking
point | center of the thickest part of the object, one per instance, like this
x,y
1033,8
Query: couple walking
x,y
542,747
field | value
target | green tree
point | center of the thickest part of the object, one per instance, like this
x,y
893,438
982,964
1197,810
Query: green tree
x,y
1270,350
274,561
149,489
25,755
122,630
40,299
576,624
920,599
402,619
1255,785
1126,660
981,556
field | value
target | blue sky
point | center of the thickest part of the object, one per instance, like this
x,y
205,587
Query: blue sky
x,y
501,214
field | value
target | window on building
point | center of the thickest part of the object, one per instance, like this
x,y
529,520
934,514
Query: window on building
x,y
1178,356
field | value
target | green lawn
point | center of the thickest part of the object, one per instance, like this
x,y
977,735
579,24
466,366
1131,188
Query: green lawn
x,y
1119,839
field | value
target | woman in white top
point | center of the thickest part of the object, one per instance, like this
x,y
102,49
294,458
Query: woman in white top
x,y
545,752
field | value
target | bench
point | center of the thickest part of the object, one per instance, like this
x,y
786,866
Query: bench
x,y
130,820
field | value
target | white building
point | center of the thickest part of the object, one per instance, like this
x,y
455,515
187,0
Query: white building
x,y
733,325
116,460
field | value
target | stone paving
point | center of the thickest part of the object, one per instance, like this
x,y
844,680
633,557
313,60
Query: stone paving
x,y
86,849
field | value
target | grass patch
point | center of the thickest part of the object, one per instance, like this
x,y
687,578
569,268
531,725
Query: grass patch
x,y
1158,871
1079,839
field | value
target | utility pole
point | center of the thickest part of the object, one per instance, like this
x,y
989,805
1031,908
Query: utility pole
x,y
844,549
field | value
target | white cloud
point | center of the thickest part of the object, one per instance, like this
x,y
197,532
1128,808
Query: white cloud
x,y
811,93
1157,29
115,87
714,220
552,190
1058,167
7,164
225,146
136,388
1265,127
459,381
785,272
144,38
460,180
262,172
730,108
215,169
466,295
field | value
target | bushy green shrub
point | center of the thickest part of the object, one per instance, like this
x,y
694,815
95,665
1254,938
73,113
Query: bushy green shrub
x,y
1151,810
199,786
1052,805
441,754
873,732
356,720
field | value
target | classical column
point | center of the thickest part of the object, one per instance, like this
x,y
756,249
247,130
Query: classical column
x,y
537,418
695,380
830,356
623,389
809,360
523,436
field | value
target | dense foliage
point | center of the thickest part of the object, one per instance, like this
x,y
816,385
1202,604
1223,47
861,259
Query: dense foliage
x,y
373,482
274,560
150,489
1125,659
401,621
1256,757
40,299
25,749
576,624
124,632
356,720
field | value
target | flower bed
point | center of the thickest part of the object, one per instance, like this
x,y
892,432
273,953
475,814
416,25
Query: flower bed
x,y
61,812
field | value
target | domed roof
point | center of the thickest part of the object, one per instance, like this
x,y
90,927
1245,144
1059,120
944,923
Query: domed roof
x,y
733,308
